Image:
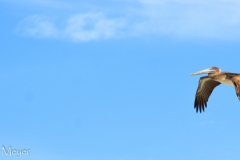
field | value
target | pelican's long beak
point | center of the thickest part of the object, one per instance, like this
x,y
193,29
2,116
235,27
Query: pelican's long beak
x,y
205,71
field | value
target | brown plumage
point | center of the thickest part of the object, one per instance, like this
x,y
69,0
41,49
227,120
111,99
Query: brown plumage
x,y
207,84
236,82
205,88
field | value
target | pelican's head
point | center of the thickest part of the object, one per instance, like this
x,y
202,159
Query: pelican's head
x,y
207,71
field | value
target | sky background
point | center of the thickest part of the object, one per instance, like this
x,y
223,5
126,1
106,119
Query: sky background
x,y
110,80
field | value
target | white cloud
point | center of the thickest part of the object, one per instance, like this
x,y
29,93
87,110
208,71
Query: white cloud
x,y
206,123
212,18
53,4
218,19
38,26
92,26
79,27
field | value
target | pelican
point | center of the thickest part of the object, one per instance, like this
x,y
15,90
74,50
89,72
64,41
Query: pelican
x,y
206,85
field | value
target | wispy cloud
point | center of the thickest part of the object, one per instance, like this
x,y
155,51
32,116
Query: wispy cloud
x,y
218,19
92,26
214,18
206,123
38,26
78,27
53,4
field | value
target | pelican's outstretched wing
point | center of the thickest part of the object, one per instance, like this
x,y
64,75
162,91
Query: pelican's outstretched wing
x,y
236,82
205,88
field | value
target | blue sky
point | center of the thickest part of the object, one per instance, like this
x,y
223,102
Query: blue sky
x,y
110,80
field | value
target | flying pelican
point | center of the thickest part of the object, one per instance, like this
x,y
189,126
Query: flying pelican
x,y
206,85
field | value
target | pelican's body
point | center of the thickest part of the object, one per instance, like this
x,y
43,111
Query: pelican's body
x,y
223,78
226,82
208,83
